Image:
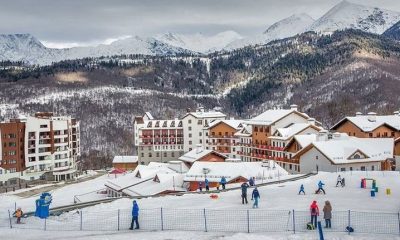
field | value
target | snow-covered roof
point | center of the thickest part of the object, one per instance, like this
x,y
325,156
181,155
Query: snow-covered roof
x,y
271,116
236,124
161,124
160,183
368,123
246,131
206,114
149,116
341,150
232,170
125,159
305,139
291,130
140,174
196,154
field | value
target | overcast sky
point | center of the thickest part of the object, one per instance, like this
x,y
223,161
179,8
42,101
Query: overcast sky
x,y
63,23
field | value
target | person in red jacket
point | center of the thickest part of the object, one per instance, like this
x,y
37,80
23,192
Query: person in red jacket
x,y
314,210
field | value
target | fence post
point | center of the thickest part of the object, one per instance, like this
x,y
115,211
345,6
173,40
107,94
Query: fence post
x,y
15,206
162,220
294,223
9,216
398,218
205,219
81,226
118,219
45,224
321,234
248,221
349,221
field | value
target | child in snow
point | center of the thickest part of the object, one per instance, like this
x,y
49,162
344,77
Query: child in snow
x,y
207,185
302,189
223,182
339,180
320,188
18,214
255,195
314,210
343,182
201,186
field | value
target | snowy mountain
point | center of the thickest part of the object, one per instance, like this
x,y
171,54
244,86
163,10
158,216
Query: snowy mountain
x,y
25,47
393,32
200,42
288,27
348,15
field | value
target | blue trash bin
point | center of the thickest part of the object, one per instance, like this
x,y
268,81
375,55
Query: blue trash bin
x,y
43,205
372,193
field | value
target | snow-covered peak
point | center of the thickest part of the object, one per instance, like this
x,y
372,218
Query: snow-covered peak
x,y
199,42
19,41
347,15
393,32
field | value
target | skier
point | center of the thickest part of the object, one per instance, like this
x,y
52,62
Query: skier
x,y
223,182
135,215
343,183
18,213
255,195
207,185
244,187
302,189
327,214
320,187
339,180
200,186
314,210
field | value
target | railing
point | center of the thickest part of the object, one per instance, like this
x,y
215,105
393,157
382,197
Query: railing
x,y
209,220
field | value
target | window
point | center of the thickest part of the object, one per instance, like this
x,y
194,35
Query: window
x,y
12,135
370,135
12,144
200,134
342,169
200,122
372,168
13,170
189,121
385,134
200,141
351,168
165,154
150,155
158,154
190,142
190,128
12,153
43,126
190,135
207,134
392,134
172,154
362,168
142,154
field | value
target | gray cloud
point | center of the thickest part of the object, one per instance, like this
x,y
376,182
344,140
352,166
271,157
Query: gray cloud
x,y
89,21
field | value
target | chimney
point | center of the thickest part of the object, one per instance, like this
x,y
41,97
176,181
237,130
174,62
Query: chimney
x,y
322,136
358,114
199,148
372,117
311,121
293,107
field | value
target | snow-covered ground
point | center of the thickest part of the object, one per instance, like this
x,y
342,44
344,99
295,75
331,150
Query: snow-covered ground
x,y
227,214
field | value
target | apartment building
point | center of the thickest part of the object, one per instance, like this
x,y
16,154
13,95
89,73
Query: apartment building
x,y
43,146
167,140
222,136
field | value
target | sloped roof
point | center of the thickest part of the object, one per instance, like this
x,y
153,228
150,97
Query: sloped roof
x,y
206,114
293,129
195,155
363,122
146,173
232,170
125,159
165,182
236,124
339,150
246,131
271,116
305,139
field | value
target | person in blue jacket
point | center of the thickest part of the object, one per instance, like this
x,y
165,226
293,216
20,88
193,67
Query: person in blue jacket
x,y
207,185
302,189
223,182
255,195
320,187
135,215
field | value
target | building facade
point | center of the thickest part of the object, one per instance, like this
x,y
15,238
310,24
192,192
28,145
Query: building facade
x,y
43,146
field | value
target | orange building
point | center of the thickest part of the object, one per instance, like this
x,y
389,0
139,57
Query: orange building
x,y
12,156
221,136
126,163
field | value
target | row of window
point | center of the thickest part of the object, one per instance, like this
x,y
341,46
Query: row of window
x,y
9,162
11,170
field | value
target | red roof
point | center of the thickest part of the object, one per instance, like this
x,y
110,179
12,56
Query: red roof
x,y
117,171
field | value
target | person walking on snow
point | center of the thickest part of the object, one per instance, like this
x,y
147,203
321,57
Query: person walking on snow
x,y
251,181
244,187
320,187
207,185
223,182
327,214
135,215
201,186
314,210
302,189
18,214
339,180
255,195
